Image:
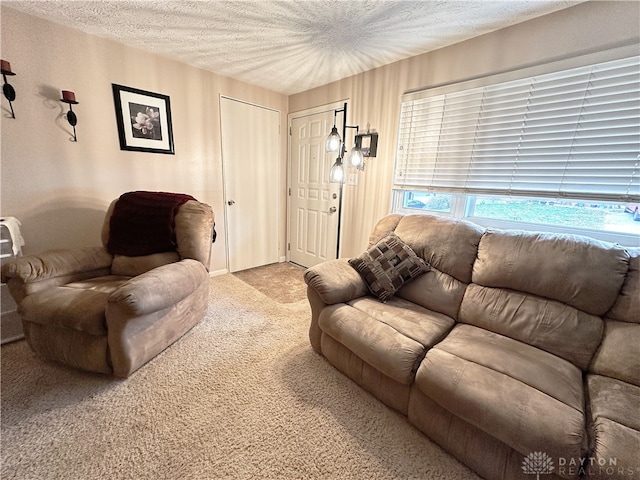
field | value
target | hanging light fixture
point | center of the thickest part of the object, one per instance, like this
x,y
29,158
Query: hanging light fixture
x,y
335,143
333,140
337,173
356,158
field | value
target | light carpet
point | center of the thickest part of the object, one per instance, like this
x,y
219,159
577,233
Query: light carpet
x,y
283,282
241,396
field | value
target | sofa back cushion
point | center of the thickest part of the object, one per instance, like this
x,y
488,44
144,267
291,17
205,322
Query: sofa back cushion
x,y
579,271
194,222
546,290
436,291
547,324
449,245
627,306
384,227
134,266
619,353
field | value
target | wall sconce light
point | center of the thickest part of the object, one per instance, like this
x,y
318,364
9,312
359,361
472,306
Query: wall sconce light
x,y
335,143
9,92
70,98
367,143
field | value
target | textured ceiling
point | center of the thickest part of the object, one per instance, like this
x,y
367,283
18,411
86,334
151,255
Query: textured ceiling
x,y
291,45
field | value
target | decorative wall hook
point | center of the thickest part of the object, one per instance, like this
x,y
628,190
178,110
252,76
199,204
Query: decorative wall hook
x,y
9,92
70,98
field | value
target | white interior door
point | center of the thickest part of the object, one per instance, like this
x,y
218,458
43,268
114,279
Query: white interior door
x,y
314,203
251,161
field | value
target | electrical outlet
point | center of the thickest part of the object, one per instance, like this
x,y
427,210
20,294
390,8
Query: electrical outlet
x,y
353,179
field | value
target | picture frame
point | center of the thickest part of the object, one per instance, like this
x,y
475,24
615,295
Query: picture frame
x,y
143,119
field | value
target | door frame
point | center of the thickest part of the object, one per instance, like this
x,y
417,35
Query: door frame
x,y
224,175
329,107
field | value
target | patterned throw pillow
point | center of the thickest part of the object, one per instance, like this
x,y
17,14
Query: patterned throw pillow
x,y
388,265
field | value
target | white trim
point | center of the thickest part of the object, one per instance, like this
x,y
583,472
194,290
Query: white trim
x,y
462,204
224,174
318,109
249,103
329,107
217,273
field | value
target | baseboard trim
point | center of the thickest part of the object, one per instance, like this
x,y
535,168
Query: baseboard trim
x,y
217,273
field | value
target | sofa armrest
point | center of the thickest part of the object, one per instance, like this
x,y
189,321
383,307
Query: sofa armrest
x,y
56,263
159,288
335,281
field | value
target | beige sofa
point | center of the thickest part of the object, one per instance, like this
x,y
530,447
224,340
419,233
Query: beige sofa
x,y
112,313
518,353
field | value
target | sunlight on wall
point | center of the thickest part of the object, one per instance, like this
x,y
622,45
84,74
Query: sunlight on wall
x,y
375,95
59,189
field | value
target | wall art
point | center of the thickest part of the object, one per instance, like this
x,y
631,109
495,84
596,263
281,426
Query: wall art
x,y
144,120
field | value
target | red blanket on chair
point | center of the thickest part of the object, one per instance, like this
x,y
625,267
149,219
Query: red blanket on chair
x,y
143,223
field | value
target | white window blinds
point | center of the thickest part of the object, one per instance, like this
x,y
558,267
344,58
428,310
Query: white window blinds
x,y
573,134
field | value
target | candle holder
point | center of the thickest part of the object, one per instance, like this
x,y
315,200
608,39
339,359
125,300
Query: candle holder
x,y
70,98
7,89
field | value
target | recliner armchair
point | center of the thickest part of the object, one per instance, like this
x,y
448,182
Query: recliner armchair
x,y
102,311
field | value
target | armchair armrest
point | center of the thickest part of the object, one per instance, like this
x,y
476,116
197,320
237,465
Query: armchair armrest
x,y
335,281
158,288
32,273
56,263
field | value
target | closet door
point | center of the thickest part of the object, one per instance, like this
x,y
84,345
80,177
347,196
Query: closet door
x,y
251,162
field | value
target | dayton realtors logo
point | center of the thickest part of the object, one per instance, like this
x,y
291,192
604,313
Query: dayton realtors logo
x,y
537,463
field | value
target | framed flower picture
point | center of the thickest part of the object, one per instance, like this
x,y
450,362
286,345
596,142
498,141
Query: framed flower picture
x,y
144,120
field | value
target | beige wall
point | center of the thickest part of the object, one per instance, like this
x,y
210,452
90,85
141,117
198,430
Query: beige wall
x,y
59,189
375,95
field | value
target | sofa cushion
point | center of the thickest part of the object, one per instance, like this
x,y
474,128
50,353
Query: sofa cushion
x,y
550,325
527,398
411,320
391,337
436,291
614,427
384,228
387,266
106,283
448,244
134,266
567,268
77,305
619,354
627,306
64,307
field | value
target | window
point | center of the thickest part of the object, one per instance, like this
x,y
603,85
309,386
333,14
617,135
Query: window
x,y
419,200
559,148
605,216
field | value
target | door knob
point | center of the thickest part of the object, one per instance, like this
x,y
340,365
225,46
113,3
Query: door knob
x,y
332,210
231,202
